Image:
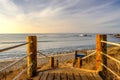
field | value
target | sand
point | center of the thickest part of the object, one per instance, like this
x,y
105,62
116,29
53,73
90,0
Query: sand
x,y
65,61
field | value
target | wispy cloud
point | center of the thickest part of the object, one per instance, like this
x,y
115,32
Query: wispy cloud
x,y
67,15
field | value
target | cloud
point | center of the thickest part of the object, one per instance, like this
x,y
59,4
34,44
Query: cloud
x,y
80,15
8,8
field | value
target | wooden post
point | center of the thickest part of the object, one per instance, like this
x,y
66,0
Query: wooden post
x,y
86,58
73,62
52,62
101,47
32,56
79,62
57,63
75,55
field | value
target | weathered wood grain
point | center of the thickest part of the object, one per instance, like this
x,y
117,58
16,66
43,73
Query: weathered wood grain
x,y
44,76
50,76
57,76
63,76
70,76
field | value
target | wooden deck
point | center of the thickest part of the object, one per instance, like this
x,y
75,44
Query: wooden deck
x,y
68,76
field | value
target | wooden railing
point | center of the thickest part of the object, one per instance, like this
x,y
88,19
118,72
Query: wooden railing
x,y
16,46
81,58
4,71
31,58
101,56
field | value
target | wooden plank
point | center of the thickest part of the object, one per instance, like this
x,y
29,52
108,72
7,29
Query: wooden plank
x,y
83,76
77,76
63,76
70,76
97,77
57,76
44,76
38,76
90,76
94,76
50,76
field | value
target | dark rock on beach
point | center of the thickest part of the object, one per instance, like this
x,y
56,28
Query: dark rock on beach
x,y
117,35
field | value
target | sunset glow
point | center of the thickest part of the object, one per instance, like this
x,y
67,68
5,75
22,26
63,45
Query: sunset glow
x,y
59,16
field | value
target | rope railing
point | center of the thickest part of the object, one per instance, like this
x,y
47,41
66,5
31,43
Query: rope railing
x,y
10,68
109,68
5,49
12,42
12,64
31,48
19,75
101,58
43,54
89,55
111,58
16,78
112,43
111,71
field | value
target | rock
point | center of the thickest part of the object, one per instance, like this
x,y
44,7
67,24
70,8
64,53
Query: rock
x,y
84,35
117,35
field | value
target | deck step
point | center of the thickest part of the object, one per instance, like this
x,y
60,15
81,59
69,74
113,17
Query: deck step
x,y
68,76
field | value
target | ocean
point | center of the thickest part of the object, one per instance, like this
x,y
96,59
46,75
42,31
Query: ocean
x,y
48,43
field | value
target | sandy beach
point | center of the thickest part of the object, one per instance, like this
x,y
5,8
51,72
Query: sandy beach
x,y
65,61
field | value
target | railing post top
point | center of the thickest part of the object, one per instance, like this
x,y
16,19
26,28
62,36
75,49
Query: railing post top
x,y
32,36
51,57
101,34
100,37
29,37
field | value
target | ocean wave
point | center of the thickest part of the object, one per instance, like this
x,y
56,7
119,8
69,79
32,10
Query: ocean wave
x,y
12,42
15,42
66,49
48,43
64,35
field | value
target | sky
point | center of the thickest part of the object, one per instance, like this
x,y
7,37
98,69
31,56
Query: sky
x,y
59,16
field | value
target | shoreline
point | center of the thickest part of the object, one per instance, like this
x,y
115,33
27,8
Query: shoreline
x,y
111,50
65,62
44,60
48,54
